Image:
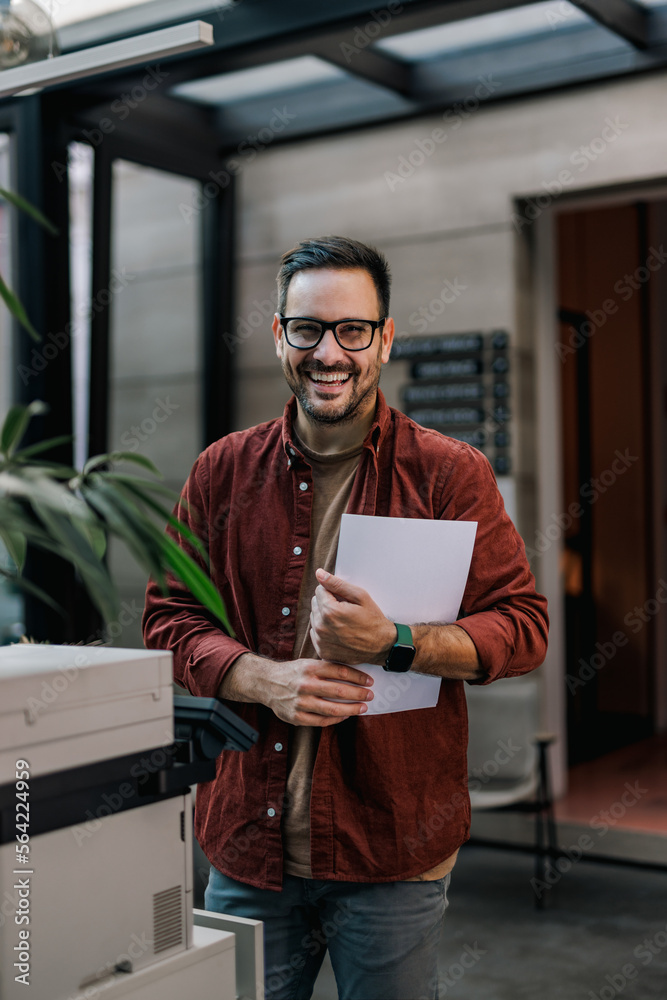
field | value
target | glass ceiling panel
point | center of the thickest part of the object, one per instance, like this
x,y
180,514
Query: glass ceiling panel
x,y
278,77
68,11
488,29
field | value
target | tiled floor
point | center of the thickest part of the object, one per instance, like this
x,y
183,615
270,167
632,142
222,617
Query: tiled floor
x,y
628,785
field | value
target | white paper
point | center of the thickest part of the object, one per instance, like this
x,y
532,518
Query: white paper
x,y
415,570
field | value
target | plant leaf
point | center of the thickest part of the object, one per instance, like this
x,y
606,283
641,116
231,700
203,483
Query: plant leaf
x,y
15,424
121,456
102,499
15,543
54,470
81,554
35,449
31,485
15,307
96,537
33,589
129,483
143,484
13,427
25,206
199,585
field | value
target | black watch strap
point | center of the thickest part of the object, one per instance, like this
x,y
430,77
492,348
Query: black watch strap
x,y
402,653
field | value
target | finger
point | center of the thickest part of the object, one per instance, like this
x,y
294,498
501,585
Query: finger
x,y
339,691
316,642
336,681
323,600
342,672
340,588
331,709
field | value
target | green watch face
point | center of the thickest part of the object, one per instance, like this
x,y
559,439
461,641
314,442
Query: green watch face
x,y
400,658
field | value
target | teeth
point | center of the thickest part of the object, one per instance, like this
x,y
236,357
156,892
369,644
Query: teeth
x,y
329,376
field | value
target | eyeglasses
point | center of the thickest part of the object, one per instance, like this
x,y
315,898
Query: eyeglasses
x,y
305,333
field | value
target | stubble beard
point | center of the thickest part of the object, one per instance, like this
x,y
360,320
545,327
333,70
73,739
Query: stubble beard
x,y
298,382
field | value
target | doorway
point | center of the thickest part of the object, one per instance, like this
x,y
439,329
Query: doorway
x,y
612,293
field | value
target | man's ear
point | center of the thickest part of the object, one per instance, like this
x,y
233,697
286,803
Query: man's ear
x,y
277,335
388,331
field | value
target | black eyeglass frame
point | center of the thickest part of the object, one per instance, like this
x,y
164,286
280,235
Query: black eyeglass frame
x,y
331,325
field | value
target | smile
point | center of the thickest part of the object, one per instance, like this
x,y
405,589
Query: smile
x,y
329,378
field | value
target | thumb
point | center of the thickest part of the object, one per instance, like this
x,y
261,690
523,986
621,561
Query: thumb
x,y
340,588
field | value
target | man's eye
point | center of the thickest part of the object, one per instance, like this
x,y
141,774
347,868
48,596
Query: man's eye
x,y
351,328
306,328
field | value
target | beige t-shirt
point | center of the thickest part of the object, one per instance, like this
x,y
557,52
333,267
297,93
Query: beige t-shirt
x,y
333,477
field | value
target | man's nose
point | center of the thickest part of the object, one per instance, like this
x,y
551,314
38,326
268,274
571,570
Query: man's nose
x,y
329,351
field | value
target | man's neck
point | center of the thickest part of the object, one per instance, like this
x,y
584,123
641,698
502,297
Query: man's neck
x,y
329,439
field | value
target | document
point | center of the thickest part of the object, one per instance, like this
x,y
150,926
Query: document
x,y
415,570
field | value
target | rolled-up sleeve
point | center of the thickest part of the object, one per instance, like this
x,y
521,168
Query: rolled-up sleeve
x,y
503,613
202,650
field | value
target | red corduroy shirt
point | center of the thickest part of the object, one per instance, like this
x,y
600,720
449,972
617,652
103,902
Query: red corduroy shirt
x,y
390,792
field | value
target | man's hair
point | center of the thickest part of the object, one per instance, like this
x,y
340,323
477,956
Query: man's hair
x,y
340,254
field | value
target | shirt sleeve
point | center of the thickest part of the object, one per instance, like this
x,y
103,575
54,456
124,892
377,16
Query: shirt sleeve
x,y
502,612
203,652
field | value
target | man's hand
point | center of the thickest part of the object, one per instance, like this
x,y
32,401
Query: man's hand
x,y
297,691
346,625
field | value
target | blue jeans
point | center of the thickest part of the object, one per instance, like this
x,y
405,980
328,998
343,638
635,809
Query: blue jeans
x,y
382,937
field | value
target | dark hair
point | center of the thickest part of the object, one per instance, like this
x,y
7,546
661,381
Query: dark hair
x,y
338,253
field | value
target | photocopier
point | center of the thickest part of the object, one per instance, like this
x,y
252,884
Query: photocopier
x,y
97,763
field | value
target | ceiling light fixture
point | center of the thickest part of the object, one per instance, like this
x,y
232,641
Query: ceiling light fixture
x,y
103,58
26,33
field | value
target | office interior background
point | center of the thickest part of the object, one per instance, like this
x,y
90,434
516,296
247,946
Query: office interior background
x,y
510,160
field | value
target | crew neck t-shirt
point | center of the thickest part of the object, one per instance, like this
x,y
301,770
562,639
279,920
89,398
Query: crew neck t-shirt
x,y
333,477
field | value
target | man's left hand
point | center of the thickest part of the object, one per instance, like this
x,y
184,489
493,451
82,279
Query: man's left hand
x,y
346,625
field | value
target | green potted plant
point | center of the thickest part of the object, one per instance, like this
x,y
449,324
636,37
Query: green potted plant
x,y
72,513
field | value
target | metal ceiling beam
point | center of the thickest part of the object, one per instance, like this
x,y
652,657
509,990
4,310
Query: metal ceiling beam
x,y
624,17
150,126
251,22
298,27
369,64
253,35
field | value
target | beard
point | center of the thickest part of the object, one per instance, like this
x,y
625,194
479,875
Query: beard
x,y
331,411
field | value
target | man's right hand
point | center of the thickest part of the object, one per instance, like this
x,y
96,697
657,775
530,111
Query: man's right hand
x,y
297,690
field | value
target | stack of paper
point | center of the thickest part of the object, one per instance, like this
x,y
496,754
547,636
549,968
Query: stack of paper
x,y
416,571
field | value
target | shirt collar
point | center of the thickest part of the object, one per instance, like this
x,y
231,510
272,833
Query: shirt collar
x,y
372,440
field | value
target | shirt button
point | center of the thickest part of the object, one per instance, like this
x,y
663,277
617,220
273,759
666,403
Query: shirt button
x,y
286,612
278,746
297,550
270,812
303,486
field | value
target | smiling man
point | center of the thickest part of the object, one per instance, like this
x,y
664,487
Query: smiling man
x,y
339,831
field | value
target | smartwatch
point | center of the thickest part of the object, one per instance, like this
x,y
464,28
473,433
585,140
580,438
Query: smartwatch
x,y
402,653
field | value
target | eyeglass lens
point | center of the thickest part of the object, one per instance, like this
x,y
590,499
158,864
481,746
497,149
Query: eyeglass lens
x,y
354,335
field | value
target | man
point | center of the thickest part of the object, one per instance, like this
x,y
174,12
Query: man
x,y
337,830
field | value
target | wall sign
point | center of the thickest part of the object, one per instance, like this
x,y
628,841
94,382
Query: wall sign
x,y
460,386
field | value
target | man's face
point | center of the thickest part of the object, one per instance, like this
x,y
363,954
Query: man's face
x,y
328,294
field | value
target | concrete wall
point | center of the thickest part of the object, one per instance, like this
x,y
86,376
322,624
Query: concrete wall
x,y
446,209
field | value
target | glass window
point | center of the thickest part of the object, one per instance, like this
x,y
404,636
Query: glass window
x,y
80,176
11,598
488,29
156,342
